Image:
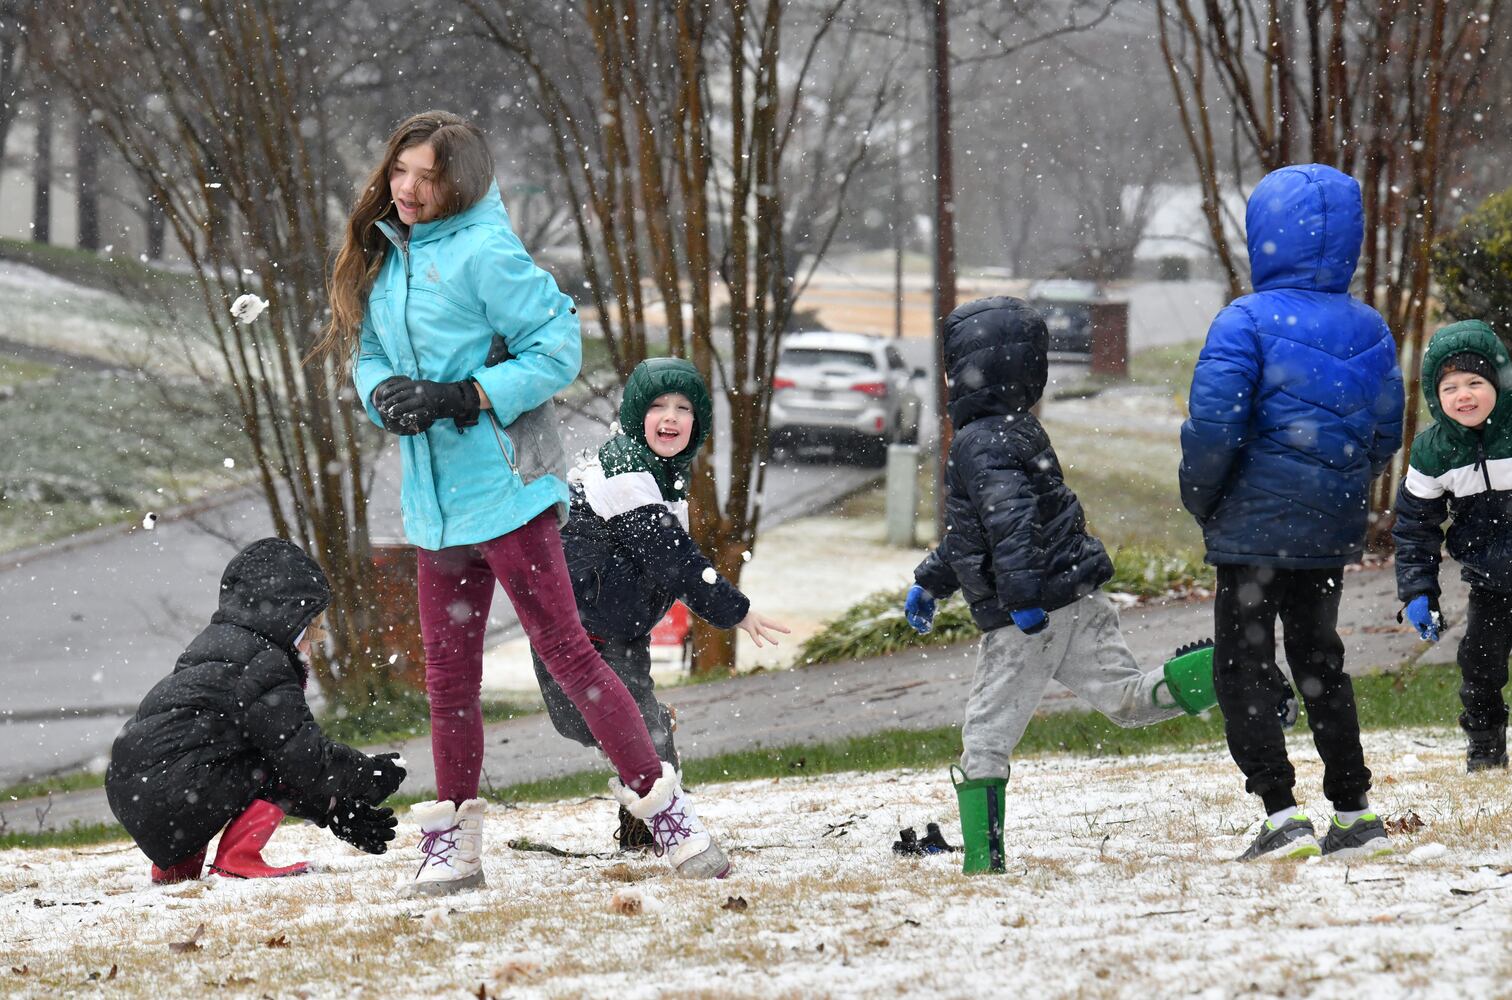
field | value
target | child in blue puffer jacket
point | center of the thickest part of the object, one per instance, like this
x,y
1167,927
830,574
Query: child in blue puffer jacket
x,y
1296,405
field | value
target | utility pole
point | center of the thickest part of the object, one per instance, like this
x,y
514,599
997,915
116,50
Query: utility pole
x,y
944,227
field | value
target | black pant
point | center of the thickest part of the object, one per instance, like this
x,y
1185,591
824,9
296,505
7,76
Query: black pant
x,y
1483,660
1251,689
631,660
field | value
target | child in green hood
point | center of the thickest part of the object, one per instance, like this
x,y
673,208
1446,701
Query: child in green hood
x,y
630,555
1461,469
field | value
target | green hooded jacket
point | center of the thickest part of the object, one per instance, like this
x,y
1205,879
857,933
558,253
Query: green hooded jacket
x,y
1460,473
628,451
627,544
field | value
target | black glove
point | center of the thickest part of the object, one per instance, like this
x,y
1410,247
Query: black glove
x,y
385,775
415,404
383,394
364,827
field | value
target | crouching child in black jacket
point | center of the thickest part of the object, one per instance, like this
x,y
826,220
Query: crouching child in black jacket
x,y
226,743
630,555
1016,545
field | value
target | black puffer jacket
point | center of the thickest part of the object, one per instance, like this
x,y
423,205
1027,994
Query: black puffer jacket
x,y
231,724
1015,535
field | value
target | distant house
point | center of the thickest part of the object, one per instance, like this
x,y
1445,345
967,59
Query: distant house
x,y
1178,230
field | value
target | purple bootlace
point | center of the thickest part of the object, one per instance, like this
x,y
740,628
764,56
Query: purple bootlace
x,y
429,841
670,827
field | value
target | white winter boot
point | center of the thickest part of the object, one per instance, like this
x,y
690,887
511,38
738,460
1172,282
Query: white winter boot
x,y
451,848
680,836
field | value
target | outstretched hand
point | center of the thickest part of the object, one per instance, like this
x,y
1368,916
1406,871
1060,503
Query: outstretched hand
x,y
759,627
387,775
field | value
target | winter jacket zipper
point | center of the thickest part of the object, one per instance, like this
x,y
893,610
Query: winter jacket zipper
x,y
1480,459
493,422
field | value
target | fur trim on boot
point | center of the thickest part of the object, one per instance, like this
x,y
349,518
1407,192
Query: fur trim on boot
x,y
451,848
680,835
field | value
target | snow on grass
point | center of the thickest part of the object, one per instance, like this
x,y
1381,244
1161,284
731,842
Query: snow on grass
x,y
1118,886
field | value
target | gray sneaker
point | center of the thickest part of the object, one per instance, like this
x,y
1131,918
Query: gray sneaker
x,y
1293,839
1364,838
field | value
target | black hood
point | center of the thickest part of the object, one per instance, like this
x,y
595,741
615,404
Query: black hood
x,y
272,588
996,353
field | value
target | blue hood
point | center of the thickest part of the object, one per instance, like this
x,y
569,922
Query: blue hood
x,y
1305,225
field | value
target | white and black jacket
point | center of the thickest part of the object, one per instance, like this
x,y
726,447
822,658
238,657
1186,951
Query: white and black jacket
x,y
631,557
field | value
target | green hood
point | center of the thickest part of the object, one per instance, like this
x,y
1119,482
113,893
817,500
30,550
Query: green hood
x,y
1476,337
628,451
1445,445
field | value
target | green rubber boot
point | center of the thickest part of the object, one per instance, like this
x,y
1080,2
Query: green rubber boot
x,y
1189,679
982,803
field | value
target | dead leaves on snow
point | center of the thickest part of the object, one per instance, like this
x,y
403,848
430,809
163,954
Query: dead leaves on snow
x,y
627,903
1401,826
735,904
184,947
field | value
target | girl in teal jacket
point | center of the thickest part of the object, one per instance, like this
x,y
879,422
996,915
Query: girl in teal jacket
x,y
459,342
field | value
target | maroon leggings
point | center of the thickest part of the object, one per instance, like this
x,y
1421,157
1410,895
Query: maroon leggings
x,y
456,588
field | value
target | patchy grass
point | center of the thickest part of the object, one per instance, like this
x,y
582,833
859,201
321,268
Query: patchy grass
x,y
138,445
402,717
115,273
1416,698
1109,862
57,784
14,371
1168,367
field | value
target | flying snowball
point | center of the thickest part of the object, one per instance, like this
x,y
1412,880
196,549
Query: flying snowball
x,y
709,576
247,308
229,463
149,521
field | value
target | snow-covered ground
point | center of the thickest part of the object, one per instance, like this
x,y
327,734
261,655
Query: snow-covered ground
x,y
1118,887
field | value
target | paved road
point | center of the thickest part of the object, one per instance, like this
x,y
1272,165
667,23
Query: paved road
x,y
914,689
90,624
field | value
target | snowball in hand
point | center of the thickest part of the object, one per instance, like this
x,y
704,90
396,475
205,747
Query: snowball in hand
x,y
247,308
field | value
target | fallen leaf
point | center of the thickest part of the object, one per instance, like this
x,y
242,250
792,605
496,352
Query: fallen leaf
x,y
112,974
482,993
516,969
1403,825
626,904
23,970
181,947
237,981
282,941
735,904
43,904
1383,918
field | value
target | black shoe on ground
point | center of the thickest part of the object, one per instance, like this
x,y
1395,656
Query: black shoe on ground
x,y
633,834
1364,838
1293,839
1485,749
934,842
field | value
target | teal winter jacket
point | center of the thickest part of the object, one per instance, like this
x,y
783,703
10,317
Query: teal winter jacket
x,y
440,299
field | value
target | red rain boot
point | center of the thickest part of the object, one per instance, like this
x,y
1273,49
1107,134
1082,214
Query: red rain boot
x,y
242,841
186,870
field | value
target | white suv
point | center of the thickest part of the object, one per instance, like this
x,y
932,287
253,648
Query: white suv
x,y
849,389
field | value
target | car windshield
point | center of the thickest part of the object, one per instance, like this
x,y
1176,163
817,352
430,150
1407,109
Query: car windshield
x,y
813,357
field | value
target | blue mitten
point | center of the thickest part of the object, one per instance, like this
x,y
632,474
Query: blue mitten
x,y
1030,620
1423,613
919,609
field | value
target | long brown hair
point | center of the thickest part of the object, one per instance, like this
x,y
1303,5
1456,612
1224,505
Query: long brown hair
x,y
463,172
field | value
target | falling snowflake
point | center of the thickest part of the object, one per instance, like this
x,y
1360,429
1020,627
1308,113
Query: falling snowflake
x,y
247,308
149,521
709,576
229,463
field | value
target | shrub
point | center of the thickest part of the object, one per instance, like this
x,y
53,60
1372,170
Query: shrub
x,y
1473,266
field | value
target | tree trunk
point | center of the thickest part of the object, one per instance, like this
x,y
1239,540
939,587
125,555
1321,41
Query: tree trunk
x,y
87,182
42,170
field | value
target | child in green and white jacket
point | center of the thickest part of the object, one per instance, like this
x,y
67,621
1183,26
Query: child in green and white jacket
x,y
1461,469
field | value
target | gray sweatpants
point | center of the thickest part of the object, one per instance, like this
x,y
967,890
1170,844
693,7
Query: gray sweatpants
x,y
632,662
1084,649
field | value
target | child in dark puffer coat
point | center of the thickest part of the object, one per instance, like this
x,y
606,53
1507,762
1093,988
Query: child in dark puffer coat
x,y
1016,545
1461,469
226,743
630,555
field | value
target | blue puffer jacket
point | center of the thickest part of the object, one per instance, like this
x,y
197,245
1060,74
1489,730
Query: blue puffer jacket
x,y
437,303
1296,402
